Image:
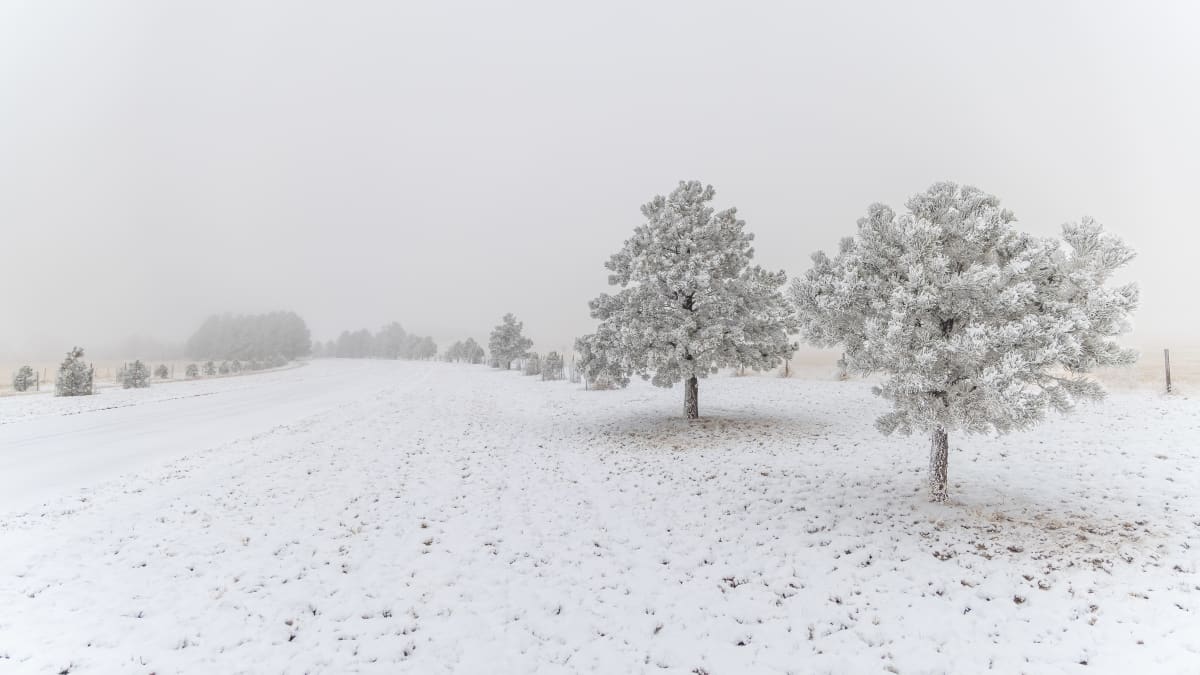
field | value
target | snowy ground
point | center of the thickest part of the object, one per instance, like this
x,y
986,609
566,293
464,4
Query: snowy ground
x,y
430,518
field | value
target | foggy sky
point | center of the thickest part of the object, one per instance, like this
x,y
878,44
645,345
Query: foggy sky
x,y
442,163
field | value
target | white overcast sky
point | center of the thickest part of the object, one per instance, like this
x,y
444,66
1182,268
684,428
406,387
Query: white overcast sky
x,y
441,163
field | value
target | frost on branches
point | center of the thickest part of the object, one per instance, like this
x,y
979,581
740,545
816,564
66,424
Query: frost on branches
x,y
981,328
690,302
507,343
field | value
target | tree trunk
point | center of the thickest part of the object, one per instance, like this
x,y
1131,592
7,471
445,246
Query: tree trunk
x,y
691,398
939,455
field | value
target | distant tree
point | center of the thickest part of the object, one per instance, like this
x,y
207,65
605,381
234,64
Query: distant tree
x,y
161,372
552,366
235,366
23,379
75,378
193,370
223,369
690,301
979,327
472,352
275,361
533,364
135,375
507,343
454,353
210,369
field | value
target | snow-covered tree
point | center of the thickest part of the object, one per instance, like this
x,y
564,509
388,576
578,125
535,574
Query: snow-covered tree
x,y
235,366
161,372
507,343
23,379
475,352
533,364
690,301
193,370
75,377
552,366
135,375
210,369
979,327
223,369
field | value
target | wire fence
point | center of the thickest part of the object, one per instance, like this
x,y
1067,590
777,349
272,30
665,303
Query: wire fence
x,y
1148,373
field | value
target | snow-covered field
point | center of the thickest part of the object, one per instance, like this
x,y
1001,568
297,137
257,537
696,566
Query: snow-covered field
x,y
427,518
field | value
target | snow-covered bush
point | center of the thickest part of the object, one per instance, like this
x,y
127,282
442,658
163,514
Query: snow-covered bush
x,y
690,301
193,370
276,361
235,366
552,366
161,372
223,369
507,343
980,327
135,375
209,369
23,379
75,378
533,364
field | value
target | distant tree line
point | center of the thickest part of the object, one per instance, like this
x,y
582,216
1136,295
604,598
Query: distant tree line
x,y
389,342
465,351
251,337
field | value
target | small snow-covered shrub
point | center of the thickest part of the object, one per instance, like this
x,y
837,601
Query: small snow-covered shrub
x,y
210,369
603,382
75,378
135,375
235,366
533,364
23,379
552,366
161,372
193,370
223,368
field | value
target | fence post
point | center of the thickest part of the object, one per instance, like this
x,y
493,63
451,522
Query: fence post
x,y
1167,366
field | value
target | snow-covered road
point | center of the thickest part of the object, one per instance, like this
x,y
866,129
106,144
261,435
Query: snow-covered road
x,y
430,518
50,446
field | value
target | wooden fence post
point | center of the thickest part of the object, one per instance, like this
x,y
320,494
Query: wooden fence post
x,y
1167,366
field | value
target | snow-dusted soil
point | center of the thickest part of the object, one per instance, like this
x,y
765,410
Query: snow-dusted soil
x,y
432,518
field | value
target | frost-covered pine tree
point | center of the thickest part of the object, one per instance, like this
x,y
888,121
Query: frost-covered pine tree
x,y
690,301
23,379
235,366
135,375
507,343
979,327
193,370
223,369
75,378
210,369
161,372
